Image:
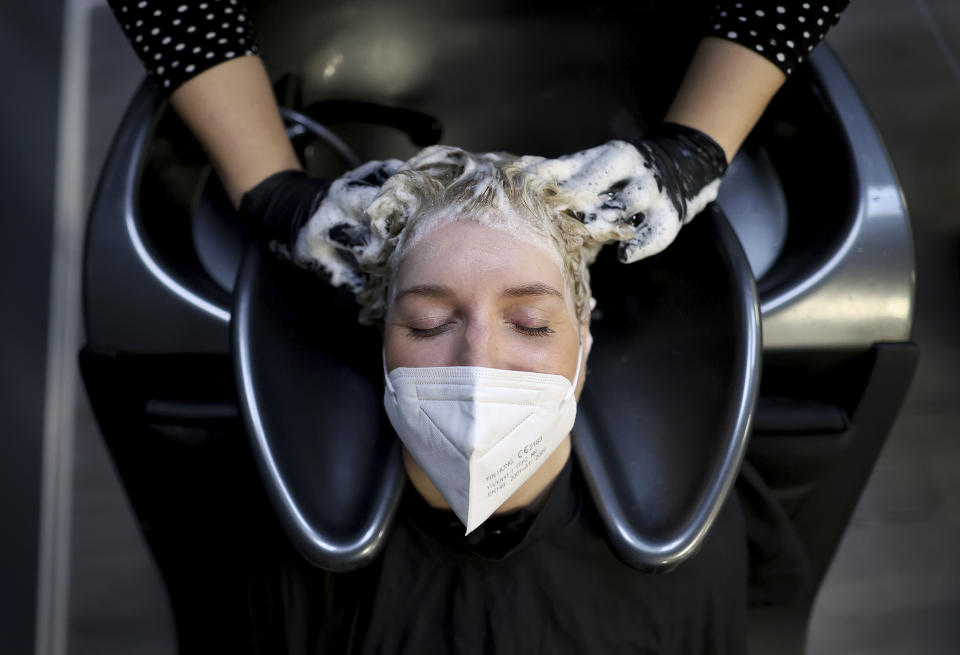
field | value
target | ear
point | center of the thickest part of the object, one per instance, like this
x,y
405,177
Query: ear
x,y
586,338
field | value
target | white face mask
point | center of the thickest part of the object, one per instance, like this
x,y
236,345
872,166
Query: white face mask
x,y
479,433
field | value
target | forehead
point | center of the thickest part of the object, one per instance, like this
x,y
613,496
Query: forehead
x,y
470,255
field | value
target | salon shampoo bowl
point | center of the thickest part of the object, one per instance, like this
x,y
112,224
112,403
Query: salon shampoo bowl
x,y
661,427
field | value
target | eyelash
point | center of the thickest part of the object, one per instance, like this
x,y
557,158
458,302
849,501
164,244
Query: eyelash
x,y
532,332
416,333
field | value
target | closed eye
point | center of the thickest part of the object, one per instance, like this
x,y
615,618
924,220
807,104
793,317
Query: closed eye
x,y
426,333
532,332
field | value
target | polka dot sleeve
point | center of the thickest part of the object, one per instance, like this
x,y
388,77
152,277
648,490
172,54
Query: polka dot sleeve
x,y
782,31
177,40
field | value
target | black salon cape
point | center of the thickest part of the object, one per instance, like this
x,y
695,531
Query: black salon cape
x,y
523,583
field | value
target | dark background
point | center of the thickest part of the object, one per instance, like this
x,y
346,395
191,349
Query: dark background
x,y
894,586
30,51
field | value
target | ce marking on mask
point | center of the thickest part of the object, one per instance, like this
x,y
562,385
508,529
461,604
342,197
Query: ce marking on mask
x,y
515,467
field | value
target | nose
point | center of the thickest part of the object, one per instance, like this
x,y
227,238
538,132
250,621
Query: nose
x,y
477,346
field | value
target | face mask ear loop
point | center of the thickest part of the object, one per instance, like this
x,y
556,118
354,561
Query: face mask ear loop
x,y
576,376
386,376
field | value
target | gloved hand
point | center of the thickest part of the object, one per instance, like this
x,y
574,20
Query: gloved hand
x,y
317,223
641,194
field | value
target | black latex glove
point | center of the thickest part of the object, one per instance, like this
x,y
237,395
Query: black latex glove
x,y
641,193
275,209
318,223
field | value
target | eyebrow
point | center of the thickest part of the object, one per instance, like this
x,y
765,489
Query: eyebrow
x,y
534,289
441,291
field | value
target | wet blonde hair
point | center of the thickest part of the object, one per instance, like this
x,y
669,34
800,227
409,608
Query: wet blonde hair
x,y
444,183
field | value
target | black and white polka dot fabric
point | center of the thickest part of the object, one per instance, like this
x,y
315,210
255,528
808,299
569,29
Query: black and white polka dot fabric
x,y
177,40
782,31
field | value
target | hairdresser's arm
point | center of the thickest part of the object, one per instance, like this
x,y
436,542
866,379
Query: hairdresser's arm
x,y
724,92
677,168
232,110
